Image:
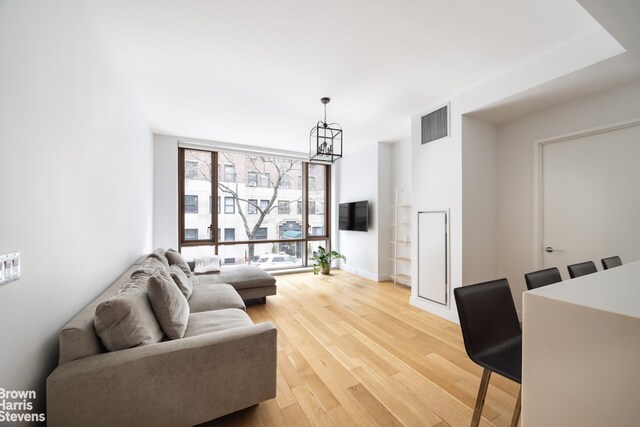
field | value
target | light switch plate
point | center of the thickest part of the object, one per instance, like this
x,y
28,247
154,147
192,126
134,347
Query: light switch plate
x,y
9,267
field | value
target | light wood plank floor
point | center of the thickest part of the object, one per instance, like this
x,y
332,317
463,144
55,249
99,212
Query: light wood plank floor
x,y
353,352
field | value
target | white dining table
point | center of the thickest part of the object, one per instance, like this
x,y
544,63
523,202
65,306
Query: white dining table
x,y
581,351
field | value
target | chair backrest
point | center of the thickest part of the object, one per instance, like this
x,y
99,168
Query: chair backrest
x,y
611,262
540,278
581,269
487,315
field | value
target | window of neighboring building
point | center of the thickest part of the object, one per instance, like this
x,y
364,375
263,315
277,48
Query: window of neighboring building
x,y
229,173
252,179
285,183
252,206
317,231
218,204
261,233
190,234
190,203
229,205
229,260
319,207
312,183
264,204
264,180
229,234
283,207
299,206
191,169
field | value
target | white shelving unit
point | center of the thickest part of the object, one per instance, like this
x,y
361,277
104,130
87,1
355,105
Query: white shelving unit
x,y
401,240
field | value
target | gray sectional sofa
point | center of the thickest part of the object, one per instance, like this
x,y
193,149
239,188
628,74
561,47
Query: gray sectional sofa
x,y
223,363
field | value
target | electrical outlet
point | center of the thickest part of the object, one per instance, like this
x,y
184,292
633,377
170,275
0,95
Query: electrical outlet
x,y
9,267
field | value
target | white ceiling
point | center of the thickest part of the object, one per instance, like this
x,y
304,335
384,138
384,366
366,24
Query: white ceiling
x,y
252,72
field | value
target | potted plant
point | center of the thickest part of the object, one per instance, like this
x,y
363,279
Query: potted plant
x,y
322,260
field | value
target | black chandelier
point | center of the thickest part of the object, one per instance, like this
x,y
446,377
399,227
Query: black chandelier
x,y
325,140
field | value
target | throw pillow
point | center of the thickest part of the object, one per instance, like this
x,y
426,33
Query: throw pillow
x,y
181,279
169,304
127,320
207,264
149,266
175,258
159,254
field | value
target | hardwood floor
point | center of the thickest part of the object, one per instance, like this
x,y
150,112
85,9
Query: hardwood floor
x,y
352,352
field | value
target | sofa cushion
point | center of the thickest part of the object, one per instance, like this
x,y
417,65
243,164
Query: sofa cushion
x,y
175,258
159,254
238,276
208,264
169,305
148,267
181,279
215,297
127,320
214,321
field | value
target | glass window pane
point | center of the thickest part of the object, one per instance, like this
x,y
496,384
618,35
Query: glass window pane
x,y
249,209
262,233
190,203
189,252
229,205
252,178
317,196
229,234
252,206
229,173
197,194
265,256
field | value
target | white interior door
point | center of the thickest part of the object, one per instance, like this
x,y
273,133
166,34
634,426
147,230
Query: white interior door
x,y
591,198
432,256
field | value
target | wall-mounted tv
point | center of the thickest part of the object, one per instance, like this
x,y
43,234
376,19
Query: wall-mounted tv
x,y
354,216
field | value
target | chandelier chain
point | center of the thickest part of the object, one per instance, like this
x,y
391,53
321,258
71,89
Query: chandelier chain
x,y
325,114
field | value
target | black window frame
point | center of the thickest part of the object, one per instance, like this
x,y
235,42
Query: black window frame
x,y
215,240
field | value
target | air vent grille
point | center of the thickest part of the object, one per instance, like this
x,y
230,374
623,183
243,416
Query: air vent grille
x,y
435,125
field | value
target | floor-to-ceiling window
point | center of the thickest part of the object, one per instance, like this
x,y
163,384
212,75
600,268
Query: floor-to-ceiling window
x,y
251,209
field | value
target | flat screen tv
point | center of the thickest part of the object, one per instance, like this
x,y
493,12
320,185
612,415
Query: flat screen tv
x,y
354,216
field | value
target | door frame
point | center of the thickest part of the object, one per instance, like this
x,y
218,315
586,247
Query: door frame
x,y
538,145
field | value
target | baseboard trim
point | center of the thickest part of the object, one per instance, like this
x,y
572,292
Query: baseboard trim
x,y
362,273
435,309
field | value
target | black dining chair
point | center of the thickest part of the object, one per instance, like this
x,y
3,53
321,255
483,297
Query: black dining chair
x,y
540,278
492,336
611,262
582,269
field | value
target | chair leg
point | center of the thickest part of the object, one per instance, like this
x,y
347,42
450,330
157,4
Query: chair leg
x,y
482,393
516,411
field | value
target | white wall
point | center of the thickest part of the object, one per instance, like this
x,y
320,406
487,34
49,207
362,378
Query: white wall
x,y
165,191
357,179
478,200
401,167
514,170
436,169
76,158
